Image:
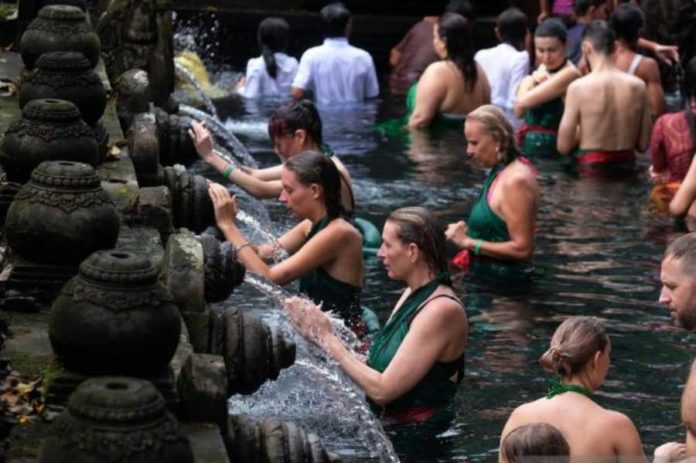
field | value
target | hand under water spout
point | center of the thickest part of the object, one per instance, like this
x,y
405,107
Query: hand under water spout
x,y
308,320
202,140
224,203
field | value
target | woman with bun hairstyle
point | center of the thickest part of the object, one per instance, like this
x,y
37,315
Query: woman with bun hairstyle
x,y
580,355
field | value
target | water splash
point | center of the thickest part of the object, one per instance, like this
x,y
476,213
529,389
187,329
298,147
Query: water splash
x,y
219,129
279,253
186,74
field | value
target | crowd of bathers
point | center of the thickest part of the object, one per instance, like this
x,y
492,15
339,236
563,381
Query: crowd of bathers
x,y
579,89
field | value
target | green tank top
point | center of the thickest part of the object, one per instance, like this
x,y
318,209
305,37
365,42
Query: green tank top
x,y
340,297
435,388
547,116
483,223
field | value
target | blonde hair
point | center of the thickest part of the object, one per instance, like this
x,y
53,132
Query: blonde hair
x,y
420,226
574,343
497,126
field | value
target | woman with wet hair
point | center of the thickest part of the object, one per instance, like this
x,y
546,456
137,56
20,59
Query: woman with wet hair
x,y
455,85
325,249
580,355
541,94
416,360
272,72
294,128
538,442
502,220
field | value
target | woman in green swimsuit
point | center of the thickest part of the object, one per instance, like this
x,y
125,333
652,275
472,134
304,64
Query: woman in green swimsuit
x,y
452,87
325,249
417,358
501,223
579,354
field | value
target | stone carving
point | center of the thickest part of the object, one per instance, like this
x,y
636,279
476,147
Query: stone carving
x,y
273,440
128,322
192,207
59,28
62,215
139,34
66,75
115,419
223,272
175,143
132,90
49,130
28,9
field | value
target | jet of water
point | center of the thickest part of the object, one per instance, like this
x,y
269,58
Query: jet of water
x,y
186,74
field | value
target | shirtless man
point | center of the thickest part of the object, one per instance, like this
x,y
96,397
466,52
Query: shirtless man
x,y
627,21
606,112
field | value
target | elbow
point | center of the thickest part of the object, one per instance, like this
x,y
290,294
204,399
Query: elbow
x,y
418,122
524,253
562,145
382,397
676,209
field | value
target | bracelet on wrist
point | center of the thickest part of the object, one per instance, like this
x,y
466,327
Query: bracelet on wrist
x,y
241,246
228,170
477,247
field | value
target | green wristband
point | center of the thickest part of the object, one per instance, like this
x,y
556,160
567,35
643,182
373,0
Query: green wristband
x,y
228,170
477,247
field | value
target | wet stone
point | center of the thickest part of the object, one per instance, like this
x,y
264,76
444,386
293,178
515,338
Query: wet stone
x,y
202,388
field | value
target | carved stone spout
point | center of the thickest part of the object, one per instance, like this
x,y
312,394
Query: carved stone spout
x,y
273,440
223,272
192,207
115,419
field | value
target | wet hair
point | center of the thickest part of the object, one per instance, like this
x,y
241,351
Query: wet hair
x,y
497,126
683,249
688,402
296,115
420,226
626,21
575,342
583,6
273,37
554,28
461,7
456,31
600,35
536,440
512,27
690,78
335,18
314,167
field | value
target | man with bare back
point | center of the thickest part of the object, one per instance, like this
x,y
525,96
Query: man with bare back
x,y
607,114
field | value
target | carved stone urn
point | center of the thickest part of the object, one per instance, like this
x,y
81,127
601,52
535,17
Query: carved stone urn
x,y
223,272
115,317
59,28
192,207
50,130
66,75
115,419
62,215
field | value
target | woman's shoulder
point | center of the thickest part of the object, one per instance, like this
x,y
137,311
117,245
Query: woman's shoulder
x,y
520,173
342,229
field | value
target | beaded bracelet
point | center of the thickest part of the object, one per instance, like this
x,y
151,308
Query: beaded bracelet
x,y
477,247
241,246
228,170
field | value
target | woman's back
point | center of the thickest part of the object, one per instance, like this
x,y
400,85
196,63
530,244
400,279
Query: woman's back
x,y
460,97
260,83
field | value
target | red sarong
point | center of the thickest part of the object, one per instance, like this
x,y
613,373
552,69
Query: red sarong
x,y
526,128
605,158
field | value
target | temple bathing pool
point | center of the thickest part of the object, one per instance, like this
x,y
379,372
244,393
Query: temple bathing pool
x,y
598,250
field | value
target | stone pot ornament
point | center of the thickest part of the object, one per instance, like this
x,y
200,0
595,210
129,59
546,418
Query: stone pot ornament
x,y
62,215
66,75
115,419
115,317
191,204
50,130
223,272
59,28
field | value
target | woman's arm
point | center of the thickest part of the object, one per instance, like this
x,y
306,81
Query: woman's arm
x,y
548,89
430,94
625,435
685,195
431,333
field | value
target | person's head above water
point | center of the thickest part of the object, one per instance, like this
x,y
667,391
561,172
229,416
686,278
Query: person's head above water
x,y
490,136
461,7
678,276
308,179
550,43
335,20
598,40
532,442
412,236
627,21
511,27
273,38
453,39
295,127
580,350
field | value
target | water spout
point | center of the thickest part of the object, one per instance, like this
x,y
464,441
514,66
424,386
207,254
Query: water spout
x,y
186,74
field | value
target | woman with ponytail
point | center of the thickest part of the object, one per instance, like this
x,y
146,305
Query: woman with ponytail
x,y
272,72
325,249
454,86
579,355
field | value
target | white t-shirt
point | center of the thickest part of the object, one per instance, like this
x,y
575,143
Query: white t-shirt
x,y
337,72
259,82
505,68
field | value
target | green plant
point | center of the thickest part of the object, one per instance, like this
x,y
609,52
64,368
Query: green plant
x,y
6,11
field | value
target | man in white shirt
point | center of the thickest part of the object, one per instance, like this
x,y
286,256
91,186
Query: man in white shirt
x,y
336,71
508,63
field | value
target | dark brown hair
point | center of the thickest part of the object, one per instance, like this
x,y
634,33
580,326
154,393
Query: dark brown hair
x,y
313,167
574,343
420,226
539,440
